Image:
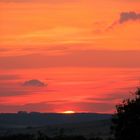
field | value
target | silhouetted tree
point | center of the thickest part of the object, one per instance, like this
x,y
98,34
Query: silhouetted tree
x,y
126,121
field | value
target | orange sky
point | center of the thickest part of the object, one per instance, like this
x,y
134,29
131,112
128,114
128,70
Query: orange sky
x,y
86,51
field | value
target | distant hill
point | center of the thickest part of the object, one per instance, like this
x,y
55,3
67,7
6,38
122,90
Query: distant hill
x,y
42,119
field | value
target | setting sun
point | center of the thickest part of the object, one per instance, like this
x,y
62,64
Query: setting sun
x,y
69,112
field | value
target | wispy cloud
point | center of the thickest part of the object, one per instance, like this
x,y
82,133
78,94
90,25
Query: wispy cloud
x,y
9,77
127,59
125,17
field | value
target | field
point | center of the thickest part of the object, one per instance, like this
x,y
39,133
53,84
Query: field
x,y
88,125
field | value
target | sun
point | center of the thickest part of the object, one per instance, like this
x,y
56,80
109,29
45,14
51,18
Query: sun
x,y
69,112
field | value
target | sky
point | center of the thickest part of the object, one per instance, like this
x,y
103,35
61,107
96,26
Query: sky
x,y
61,55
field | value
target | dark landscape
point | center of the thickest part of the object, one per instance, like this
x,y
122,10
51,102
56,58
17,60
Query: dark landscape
x,y
53,124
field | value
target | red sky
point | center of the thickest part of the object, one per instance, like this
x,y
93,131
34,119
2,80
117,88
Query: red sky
x,y
84,54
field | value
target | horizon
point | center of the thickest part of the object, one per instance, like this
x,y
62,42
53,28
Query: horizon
x,y
61,113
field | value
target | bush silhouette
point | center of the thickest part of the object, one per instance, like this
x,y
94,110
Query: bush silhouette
x,y
126,121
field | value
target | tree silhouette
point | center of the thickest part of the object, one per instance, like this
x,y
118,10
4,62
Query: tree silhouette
x,y
126,121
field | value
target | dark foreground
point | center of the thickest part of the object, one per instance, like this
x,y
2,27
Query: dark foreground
x,y
40,126
41,136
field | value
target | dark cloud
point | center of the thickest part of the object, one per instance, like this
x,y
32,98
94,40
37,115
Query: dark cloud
x,y
15,89
127,16
34,83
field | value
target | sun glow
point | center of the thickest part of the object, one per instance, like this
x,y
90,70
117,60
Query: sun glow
x,y
69,112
